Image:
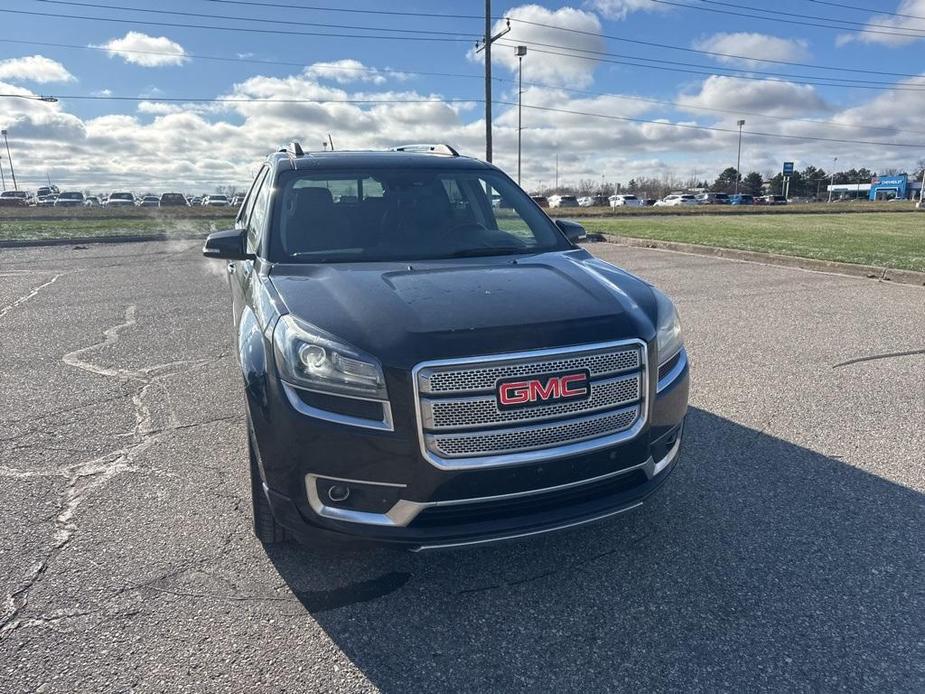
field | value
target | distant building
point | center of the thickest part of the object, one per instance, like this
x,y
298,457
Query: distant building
x,y
879,188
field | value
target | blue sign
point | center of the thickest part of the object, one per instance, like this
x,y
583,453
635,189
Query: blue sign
x,y
788,168
886,187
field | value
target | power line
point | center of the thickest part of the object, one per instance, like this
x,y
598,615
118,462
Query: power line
x,y
715,54
682,106
322,8
397,71
808,16
712,128
327,8
134,22
711,68
598,57
631,119
845,6
784,21
385,71
178,13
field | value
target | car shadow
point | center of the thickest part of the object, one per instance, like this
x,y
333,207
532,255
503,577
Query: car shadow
x,y
760,565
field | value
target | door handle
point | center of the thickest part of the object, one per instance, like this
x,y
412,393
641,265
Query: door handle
x,y
231,268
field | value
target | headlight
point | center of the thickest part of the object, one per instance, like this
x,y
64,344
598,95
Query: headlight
x,y
309,357
668,329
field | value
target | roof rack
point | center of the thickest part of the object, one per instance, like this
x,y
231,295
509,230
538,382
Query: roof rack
x,y
445,150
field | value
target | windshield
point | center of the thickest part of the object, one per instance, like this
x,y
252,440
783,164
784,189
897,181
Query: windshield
x,y
71,196
380,215
121,196
217,197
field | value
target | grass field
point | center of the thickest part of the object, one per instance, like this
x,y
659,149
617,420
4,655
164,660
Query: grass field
x,y
32,223
881,239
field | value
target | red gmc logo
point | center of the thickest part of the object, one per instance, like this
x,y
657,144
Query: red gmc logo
x,y
543,390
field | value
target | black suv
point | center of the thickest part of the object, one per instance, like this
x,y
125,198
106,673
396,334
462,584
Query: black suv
x,y
428,369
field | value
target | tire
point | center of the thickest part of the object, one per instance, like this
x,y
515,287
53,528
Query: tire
x,y
267,530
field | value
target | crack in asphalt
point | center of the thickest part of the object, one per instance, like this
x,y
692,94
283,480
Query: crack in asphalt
x,y
875,357
85,477
23,299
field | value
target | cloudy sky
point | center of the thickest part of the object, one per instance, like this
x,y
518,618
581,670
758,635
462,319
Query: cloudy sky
x,y
187,95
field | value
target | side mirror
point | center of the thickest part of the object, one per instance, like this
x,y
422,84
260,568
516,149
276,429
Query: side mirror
x,y
226,245
573,231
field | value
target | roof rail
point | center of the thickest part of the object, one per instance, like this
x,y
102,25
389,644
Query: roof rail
x,y
445,150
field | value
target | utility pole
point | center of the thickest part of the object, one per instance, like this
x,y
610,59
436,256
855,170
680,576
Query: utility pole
x,y
557,173
9,158
488,81
739,156
520,52
832,183
2,177
486,45
922,193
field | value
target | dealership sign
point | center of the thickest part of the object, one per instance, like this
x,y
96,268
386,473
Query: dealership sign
x,y
788,168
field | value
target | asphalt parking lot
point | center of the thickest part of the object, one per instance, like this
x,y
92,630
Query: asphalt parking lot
x,y
786,553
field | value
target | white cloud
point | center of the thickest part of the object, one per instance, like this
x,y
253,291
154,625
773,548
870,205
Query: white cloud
x,y
34,68
542,65
619,9
751,44
194,147
147,51
346,71
770,97
890,30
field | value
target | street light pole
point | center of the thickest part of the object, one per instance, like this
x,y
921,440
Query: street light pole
x,y
739,156
832,182
2,177
9,158
520,52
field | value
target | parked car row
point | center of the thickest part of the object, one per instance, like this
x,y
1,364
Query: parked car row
x,y
678,199
50,196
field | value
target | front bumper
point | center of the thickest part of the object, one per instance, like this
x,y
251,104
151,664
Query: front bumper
x,y
430,508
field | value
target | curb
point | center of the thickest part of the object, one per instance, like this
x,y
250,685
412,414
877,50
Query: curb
x,y
885,274
83,240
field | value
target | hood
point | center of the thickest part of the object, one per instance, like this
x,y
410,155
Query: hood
x,y
405,313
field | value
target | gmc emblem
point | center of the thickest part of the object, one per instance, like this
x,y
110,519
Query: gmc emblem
x,y
543,390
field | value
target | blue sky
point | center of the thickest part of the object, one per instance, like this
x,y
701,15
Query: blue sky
x,y
164,134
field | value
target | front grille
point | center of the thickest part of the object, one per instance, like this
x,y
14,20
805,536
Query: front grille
x,y
482,377
479,411
462,424
530,438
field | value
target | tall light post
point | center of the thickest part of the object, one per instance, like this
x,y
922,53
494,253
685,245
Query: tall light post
x,y
9,158
832,182
520,52
2,177
739,156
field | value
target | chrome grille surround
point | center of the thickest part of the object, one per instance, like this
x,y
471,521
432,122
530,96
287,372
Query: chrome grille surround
x,y
461,427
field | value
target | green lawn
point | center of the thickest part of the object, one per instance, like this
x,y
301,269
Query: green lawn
x,y
102,226
875,238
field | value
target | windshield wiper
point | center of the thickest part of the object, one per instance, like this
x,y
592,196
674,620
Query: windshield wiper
x,y
500,250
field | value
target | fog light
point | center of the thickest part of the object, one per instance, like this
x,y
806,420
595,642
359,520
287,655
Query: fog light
x,y
338,492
